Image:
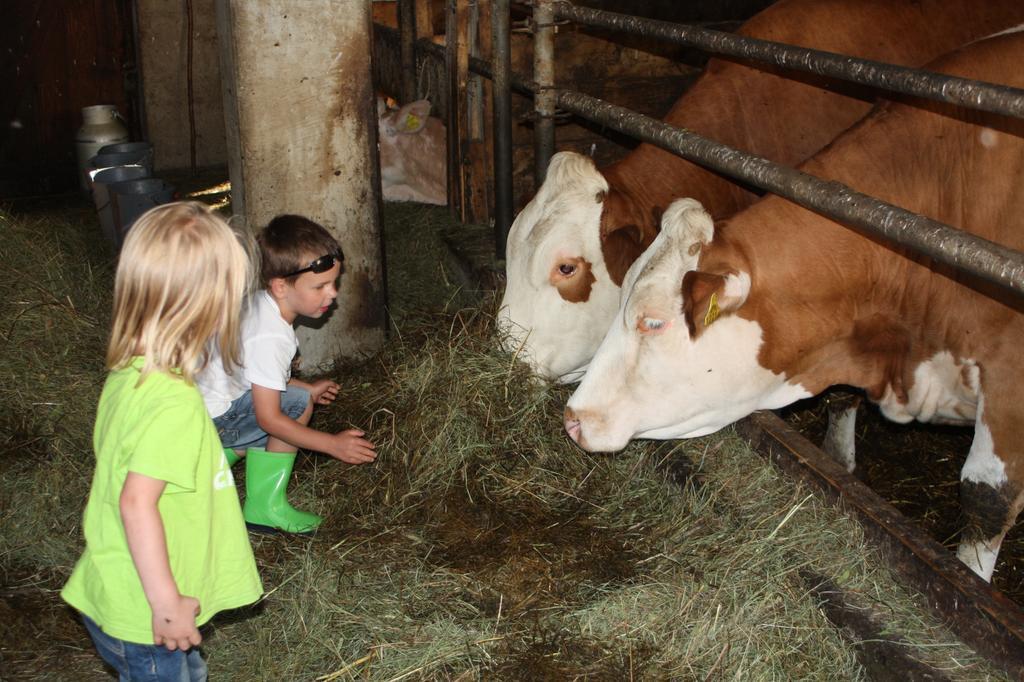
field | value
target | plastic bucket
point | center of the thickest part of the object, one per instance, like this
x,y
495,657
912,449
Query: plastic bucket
x,y
131,198
101,196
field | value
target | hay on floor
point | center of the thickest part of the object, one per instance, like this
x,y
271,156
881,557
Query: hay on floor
x,y
480,545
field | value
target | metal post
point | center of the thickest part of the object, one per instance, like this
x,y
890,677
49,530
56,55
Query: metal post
x,y
501,56
407,49
544,76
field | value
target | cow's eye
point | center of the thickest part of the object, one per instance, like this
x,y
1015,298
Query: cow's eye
x,y
567,269
650,324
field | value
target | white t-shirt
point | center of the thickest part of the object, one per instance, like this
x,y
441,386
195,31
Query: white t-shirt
x,y
268,347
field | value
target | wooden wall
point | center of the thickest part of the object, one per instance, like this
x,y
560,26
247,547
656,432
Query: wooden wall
x,y
57,56
55,59
640,74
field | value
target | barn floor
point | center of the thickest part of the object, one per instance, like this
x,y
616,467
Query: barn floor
x,y
915,467
481,545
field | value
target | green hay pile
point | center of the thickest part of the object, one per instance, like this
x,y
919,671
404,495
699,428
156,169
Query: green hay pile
x,y
480,545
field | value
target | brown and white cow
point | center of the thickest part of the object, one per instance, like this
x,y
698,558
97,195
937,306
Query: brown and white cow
x,y
412,153
778,302
571,245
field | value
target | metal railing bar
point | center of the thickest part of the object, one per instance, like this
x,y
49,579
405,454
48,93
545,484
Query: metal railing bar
x,y
966,92
975,255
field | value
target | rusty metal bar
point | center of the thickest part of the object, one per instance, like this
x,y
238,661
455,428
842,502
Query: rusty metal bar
x,y
544,80
965,92
945,244
407,41
976,255
501,61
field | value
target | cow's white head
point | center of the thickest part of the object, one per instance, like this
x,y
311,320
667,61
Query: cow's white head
x,y
559,297
677,362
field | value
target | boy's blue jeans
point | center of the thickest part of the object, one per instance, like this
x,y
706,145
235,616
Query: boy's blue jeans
x,y
147,662
238,428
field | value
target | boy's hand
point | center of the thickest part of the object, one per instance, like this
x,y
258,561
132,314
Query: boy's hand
x,y
174,624
323,392
350,447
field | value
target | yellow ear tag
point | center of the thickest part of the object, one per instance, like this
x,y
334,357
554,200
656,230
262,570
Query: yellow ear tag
x,y
412,121
712,314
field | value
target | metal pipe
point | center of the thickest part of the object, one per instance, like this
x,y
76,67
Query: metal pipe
x,y
501,58
976,255
973,94
945,244
407,50
544,79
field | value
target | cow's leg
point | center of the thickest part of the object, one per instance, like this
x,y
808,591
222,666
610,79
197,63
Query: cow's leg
x,y
839,441
990,498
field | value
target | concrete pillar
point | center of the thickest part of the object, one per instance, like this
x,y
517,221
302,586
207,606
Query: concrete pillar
x,y
300,114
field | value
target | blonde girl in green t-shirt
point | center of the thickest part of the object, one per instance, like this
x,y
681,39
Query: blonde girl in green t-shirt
x,y
166,545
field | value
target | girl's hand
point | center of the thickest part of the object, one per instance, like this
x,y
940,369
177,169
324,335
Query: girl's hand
x,y
174,625
324,392
174,615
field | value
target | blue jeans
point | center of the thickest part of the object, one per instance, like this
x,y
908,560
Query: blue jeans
x,y
147,662
238,428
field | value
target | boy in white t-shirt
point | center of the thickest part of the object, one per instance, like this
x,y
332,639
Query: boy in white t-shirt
x,y
262,411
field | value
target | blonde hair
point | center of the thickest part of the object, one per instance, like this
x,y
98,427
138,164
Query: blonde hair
x,y
181,280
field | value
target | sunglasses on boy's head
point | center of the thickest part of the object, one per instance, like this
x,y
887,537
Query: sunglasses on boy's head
x,y
321,264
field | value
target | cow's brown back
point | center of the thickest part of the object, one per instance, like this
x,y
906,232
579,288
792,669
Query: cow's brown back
x,y
752,108
839,307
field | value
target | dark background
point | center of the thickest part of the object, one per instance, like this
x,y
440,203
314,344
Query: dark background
x,y
57,57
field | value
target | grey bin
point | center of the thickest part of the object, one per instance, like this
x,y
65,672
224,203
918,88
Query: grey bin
x,y
141,151
101,196
129,158
131,198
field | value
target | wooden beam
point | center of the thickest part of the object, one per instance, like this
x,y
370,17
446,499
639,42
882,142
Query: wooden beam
x,y
424,20
479,179
454,123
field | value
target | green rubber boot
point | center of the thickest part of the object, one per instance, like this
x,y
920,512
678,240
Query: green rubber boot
x,y
231,456
266,508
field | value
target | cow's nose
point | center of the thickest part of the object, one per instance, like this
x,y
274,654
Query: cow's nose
x,y
572,424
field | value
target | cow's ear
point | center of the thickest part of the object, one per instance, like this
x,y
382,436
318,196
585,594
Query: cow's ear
x,y
625,233
707,296
686,222
413,116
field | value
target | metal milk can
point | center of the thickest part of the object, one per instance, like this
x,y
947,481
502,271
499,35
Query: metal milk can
x,y
101,125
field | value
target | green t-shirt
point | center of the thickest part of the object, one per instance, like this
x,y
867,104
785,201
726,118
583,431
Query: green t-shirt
x,y
160,429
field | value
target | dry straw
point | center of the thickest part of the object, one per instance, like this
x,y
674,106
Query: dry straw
x,y
480,545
